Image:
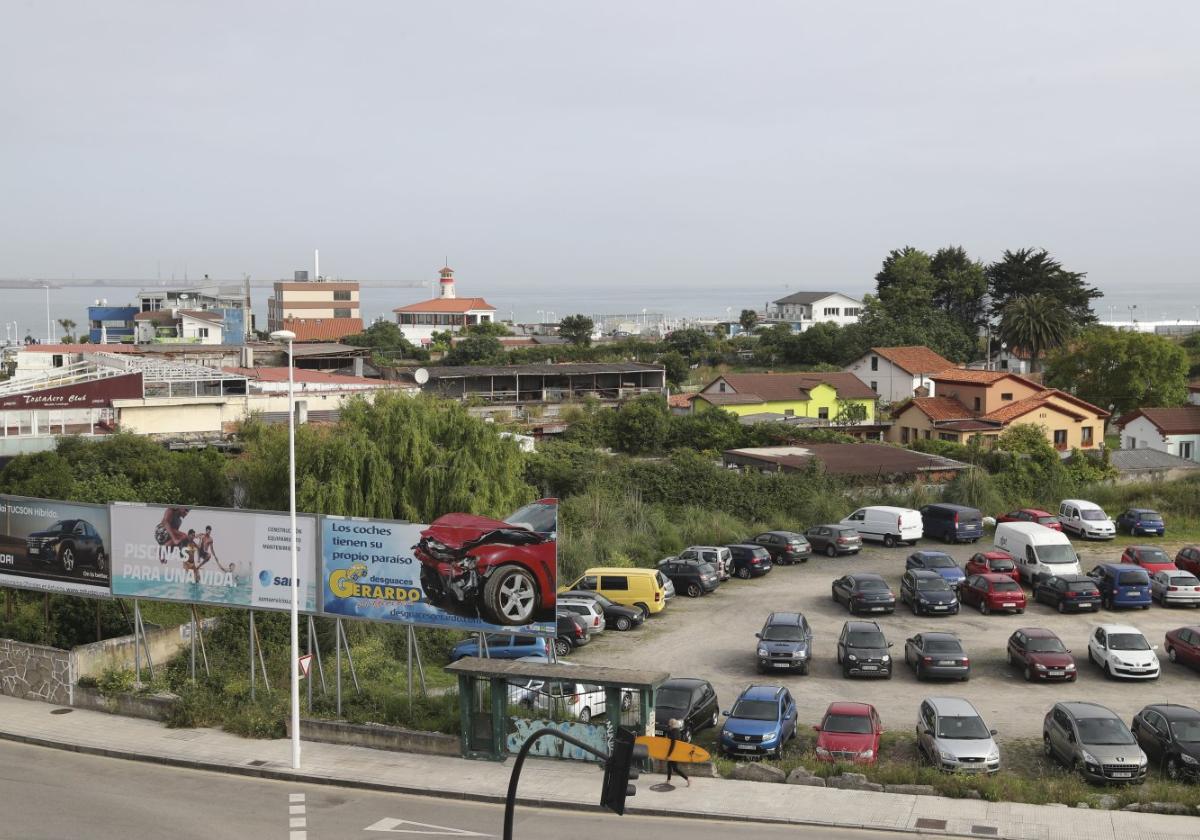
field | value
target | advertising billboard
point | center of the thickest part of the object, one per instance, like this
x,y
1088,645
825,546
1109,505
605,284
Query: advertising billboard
x,y
211,556
461,570
54,546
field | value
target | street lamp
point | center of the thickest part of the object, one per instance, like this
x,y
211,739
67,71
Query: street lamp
x,y
289,337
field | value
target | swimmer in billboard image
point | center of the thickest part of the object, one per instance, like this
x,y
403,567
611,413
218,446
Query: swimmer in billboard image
x,y
504,572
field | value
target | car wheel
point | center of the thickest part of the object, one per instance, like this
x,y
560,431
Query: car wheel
x,y
694,590
562,647
1047,750
645,610
101,560
1108,674
1021,611
1062,607
839,656
983,608
66,558
1145,606
716,719
1028,674
510,595
1106,603
626,702
743,573
622,623
845,672
831,550
915,609
1171,654
804,670
1174,773
889,541
585,715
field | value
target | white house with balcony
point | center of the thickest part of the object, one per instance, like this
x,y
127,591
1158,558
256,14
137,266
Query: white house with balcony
x,y
803,309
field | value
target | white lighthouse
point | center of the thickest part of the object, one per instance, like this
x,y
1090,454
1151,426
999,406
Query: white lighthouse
x,y
447,282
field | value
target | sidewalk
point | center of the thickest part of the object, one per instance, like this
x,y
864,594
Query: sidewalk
x,y
567,784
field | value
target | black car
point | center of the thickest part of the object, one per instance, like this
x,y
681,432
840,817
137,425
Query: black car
x,y
689,577
937,655
750,560
834,539
690,700
1068,593
1169,734
617,616
68,542
927,593
864,592
572,633
786,547
863,650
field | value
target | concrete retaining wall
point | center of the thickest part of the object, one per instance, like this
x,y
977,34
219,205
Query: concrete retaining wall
x,y
148,706
163,643
35,672
378,737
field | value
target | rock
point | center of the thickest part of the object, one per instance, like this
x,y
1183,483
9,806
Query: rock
x,y
1132,807
756,772
913,790
1177,808
853,781
1082,805
1107,802
804,776
973,794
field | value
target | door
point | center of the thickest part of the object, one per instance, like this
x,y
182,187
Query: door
x,y
1098,646
1060,732
1153,735
926,727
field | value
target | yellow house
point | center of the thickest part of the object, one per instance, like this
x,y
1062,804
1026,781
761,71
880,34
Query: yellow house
x,y
820,396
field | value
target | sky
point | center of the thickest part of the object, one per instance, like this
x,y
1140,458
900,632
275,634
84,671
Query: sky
x,y
600,146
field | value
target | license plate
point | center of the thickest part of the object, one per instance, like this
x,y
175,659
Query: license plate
x,y
781,664
1008,606
745,746
947,662
1122,775
878,609
1057,673
1131,593
870,667
940,607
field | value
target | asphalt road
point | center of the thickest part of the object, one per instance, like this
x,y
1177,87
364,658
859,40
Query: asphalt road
x,y
712,637
50,794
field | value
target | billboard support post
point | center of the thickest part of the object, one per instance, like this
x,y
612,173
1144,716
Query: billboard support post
x,y
200,634
337,636
308,688
316,649
350,659
193,622
262,660
137,644
252,666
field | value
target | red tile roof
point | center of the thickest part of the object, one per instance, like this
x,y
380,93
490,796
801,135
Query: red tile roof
x,y
964,376
914,359
1184,420
680,400
453,305
1010,412
937,409
323,329
781,387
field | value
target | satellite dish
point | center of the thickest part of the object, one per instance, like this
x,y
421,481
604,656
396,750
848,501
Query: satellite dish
x,y
421,376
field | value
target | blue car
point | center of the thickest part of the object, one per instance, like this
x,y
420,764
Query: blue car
x,y
1137,521
761,721
502,646
937,561
1122,585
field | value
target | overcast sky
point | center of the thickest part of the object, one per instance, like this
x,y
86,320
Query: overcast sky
x,y
606,144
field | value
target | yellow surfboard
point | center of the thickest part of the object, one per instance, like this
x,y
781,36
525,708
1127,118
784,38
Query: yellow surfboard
x,y
684,752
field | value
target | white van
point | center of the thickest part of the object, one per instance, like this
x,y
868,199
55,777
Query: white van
x,y
889,525
1038,551
1086,520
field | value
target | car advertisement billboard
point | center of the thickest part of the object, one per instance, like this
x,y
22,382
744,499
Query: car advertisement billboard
x,y
211,556
461,570
54,546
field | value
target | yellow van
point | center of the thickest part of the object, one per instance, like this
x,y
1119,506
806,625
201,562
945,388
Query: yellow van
x,y
643,589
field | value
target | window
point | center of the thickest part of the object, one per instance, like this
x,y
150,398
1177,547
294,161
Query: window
x,y
57,360
1004,364
950,436
789,412
904,434
202,332
1131,443
1086,434
874,386
721,386
823,413
1060,438
926,434
978,404
343,295
1185,449
341,313
874,363
614,582
1006,397
833,310
852,311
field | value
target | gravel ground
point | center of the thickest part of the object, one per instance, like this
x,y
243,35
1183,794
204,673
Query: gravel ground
x,y
713,637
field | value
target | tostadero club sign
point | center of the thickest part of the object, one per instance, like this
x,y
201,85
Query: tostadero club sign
x,y
98,393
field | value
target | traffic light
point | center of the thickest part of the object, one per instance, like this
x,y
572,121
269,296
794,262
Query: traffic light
x,y
621,770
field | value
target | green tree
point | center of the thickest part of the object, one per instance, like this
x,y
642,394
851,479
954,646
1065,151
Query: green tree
x,y
960,287
849,413
691,343
577,329
475,350
641,426
487,328
748,319
1121,369
1036,323
906,281
676,367
68,327
1030,271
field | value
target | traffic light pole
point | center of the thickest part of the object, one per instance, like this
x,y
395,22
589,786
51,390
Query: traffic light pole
x,y
510,803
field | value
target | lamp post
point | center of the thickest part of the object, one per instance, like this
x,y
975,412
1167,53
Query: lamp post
x,y
289,337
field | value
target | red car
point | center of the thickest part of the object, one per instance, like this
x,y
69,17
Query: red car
x,y
1149,558
992,593
1041,517
501,571
1183,646
1041,654
849,732
1188,559
987,562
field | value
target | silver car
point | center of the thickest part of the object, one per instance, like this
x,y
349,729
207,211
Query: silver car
x,y
1175,587
1093,741
952,736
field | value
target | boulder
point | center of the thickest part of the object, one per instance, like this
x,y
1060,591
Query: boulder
x,y
756,772
1082,805
853,781
1176,808
973,794
913,790
1106,801
804,776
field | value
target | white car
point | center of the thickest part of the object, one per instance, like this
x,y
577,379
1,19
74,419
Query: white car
x,y
1175,587
1086,520
1121,651
586,609
564,700
720,556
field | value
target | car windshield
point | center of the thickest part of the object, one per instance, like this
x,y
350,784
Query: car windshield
x,y
602,601
857,724
1154,555
1055,554
1186,730
1047,520
1094,515
783,633
795,542
755,710
539,516
939,561
962,728
1104,732
942,646
1150,517
1127,641
870,585
1002,565
866,639
64,525
1005,586
1043,645
1184,580
932,585
673,698
1081,586
706,569
1138,578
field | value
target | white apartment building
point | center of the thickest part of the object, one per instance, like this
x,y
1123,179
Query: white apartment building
x,y
803,309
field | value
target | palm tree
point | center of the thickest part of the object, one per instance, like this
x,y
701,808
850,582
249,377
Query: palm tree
x,y
67,325
1036,323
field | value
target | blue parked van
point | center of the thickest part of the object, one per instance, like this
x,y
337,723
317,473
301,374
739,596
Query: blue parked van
x,y
952,523
1122,585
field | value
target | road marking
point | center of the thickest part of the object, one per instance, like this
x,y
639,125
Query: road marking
x,y
297,821
295,797
393,826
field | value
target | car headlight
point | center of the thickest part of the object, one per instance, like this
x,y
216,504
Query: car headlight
x,y
887,658
800,653
922,600
994,755
1071,666
1088,757
1118,660
852,657
867,754
762,652
1039,666
1142,761
947,756
770,738
1187,759
822,752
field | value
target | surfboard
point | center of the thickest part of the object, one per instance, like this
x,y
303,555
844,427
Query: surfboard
x,y
684,752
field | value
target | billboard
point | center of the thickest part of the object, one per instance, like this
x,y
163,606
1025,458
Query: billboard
x,y
463,571
211,556
54,546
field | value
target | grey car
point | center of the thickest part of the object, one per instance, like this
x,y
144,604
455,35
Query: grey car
x,y
785,643
938,656
1093,741
952,736
834,539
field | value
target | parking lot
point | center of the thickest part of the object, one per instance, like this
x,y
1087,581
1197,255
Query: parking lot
x,y
713,638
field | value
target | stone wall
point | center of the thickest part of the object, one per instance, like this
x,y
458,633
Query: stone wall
x,y
34,672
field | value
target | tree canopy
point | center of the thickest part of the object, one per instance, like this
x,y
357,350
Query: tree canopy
x,y
1035,323
1029,271
577,329
475,350
1122,369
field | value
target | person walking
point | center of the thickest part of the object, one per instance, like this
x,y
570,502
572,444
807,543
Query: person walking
x,y
676,734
